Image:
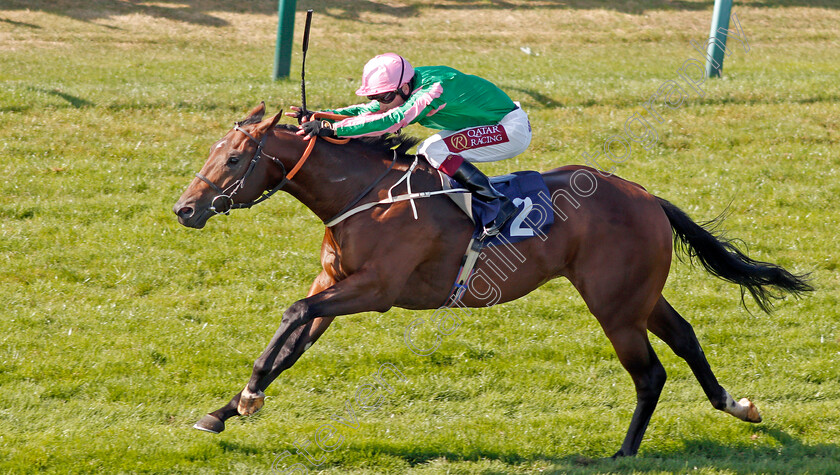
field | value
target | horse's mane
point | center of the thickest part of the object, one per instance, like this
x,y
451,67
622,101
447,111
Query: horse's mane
x,y
400,143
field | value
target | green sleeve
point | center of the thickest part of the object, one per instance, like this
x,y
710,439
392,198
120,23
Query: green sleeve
x,y
357,109
417,106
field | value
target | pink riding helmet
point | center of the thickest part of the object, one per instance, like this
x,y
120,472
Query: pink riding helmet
x,y
385,73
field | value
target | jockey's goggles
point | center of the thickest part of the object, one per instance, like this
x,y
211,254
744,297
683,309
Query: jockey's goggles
x,y
384,98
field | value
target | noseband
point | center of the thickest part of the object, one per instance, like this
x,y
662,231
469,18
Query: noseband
x,y
222,203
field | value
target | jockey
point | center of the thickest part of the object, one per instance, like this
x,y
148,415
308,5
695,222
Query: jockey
x,y
478,122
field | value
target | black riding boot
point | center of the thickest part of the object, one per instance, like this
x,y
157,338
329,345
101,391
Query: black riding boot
x,y
479,185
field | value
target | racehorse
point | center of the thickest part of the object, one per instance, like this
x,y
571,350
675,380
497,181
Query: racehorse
x,y
614,244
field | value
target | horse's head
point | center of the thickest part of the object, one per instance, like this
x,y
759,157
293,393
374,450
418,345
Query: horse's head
x,y
235,174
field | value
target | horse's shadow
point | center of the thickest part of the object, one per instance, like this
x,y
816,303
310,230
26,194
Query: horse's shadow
x,y
791,456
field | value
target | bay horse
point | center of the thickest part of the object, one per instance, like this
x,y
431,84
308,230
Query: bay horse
x,y
614,245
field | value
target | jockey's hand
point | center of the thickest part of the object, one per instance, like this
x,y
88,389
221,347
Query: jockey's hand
x,y
312,128
300,115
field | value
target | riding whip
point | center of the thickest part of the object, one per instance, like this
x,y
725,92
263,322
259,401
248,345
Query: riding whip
x,y
304,111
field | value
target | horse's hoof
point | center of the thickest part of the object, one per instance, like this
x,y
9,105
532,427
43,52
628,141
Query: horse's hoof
x,y
249,402
621,454
752,411
210,423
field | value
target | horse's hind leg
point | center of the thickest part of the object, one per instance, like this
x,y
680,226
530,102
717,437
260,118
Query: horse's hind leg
x,y
638,358
675,331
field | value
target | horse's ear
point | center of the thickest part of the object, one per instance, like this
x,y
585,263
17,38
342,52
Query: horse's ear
x,y
276,119
256,114
268,124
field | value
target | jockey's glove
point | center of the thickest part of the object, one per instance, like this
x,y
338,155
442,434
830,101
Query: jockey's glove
x,y
321,128
301,115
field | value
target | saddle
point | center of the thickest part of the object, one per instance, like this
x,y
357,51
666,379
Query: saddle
x,y
528,192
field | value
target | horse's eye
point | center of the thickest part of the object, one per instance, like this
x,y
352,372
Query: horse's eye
x,y
232,161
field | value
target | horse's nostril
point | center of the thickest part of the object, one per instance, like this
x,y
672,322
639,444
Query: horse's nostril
x,y
185,212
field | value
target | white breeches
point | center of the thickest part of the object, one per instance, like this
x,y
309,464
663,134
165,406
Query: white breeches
x,y
489,143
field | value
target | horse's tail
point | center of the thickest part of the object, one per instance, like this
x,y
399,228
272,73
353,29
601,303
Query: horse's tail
x,y
721,258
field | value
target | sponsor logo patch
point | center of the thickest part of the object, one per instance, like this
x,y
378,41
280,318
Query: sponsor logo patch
x,y
476,137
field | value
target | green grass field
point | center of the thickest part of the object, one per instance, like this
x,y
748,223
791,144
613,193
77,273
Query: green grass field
x,y
119,328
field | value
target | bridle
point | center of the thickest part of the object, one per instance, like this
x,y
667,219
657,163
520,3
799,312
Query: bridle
x,y
222,203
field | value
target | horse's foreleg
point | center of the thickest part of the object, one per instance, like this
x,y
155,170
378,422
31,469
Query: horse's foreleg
x,y
358,293
247,404
298,342
678,334
292,350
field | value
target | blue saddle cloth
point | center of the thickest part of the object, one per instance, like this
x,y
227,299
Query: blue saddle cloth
x,y
528,192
